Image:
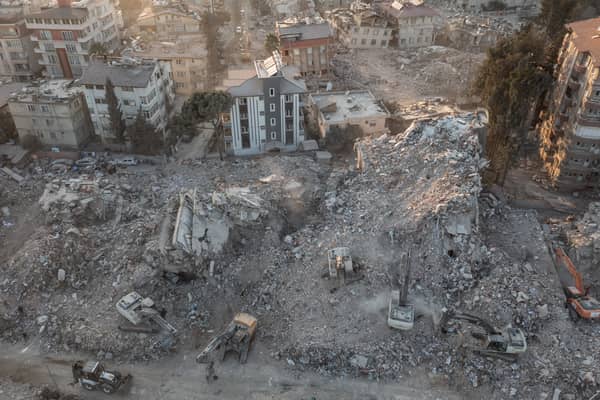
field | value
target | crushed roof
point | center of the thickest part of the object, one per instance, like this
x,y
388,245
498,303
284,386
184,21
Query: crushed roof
x,y
306,31
136,75
586,37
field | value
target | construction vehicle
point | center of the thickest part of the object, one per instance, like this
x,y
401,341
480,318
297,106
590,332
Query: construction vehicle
x,y
237,337
579,303
505,344
137,310
401,314
340,263
93,376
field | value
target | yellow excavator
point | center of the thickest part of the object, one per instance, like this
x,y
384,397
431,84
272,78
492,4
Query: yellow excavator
x,y
237,338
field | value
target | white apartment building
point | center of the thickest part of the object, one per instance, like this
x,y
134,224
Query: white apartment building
x,y
63,35
145,85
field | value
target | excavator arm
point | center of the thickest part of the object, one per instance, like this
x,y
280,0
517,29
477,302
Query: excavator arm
x,y
214,344
404,289
563,258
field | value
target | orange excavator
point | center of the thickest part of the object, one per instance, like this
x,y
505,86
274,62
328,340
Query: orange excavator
x,y
580,305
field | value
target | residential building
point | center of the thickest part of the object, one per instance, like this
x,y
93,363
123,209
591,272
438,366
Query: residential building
x,y
306,45
342,109
361,27
187,57
167,22
55,112
7,90
266,112
17,58
414,24
138,85
63,35
570,130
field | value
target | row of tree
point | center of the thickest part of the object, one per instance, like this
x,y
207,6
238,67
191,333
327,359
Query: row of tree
x,y
516,77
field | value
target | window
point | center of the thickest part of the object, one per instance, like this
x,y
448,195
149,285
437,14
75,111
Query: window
x,y
272,107
89,86
273,122
244,129
273,135
385,32
129,102
71,48
45,35
99,87
74,60
373,42
30,107
272,92
67,35
288,98
363,41
180,74
99,100
375,32
383,43
49,46
366,31
179,85
242,101
353,41
356,30
179,61
44,108
52,59
49,122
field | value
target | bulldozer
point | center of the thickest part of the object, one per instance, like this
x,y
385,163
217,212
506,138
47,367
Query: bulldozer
x,y
505,344
401,314
237,338
579,303
92,376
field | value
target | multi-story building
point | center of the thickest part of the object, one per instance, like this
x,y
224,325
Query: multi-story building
x,y
266,112
63,35
54,112
138,85
306,45
17,58
361,27
187,57
167,23
414,24
570,130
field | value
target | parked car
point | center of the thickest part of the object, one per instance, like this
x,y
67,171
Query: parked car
x,y
125,161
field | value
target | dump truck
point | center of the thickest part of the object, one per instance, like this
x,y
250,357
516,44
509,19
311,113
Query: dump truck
x,y
93,376
237,338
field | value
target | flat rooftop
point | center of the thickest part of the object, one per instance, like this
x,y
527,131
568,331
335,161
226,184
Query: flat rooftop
x,y
351,104
585,37
192,46
119,73
53,91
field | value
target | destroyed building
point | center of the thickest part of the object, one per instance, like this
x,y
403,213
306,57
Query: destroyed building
x,y
414,23
167,22
55,112
358,108
306,44
144,85
360,27
569,133
266,112
64,34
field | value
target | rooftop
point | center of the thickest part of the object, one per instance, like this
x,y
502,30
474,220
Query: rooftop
x,y
46,92
130,74
338,107
586,37
407,9
192,46
9,88
61,12
304,31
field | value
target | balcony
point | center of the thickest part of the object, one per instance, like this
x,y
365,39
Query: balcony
x,y
579,69
573,84
587,120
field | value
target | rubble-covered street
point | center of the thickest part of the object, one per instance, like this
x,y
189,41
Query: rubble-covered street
x,y
207,239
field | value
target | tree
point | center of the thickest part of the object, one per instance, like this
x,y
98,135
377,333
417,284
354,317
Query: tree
x,y
117,125
214,46
8,129
98,49
271,43
144,138
31,143
209,106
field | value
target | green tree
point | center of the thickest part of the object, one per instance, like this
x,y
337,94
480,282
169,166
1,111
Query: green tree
x,y
209,106
214,45
144,138
31,142
271,43
98,49
8,130
117,125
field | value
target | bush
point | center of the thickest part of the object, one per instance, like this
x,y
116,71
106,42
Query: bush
x,y
31,143
339,138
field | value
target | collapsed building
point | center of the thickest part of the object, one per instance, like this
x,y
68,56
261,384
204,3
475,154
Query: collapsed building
x,y
569,133
360,27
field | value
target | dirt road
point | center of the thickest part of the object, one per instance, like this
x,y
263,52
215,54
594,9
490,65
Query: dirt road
x,y
179,377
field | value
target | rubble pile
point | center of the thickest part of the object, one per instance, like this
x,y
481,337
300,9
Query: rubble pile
x,y
583,237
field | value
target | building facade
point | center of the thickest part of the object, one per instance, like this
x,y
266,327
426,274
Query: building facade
x,y
569,133
138,85
266,113
342,109
17,58
187,57
414,24
63,35
167,23
55,113
306,45
361,27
